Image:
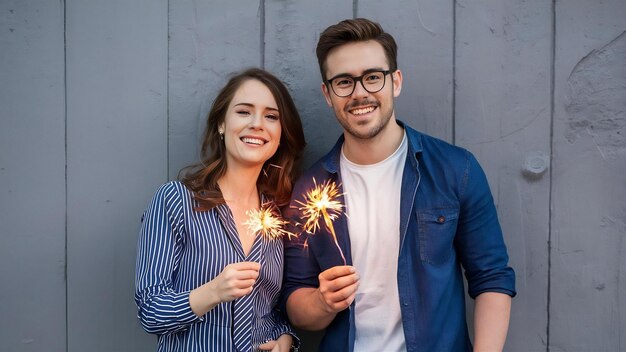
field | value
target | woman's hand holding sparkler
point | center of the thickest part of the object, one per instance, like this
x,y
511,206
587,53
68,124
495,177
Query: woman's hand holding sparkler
x,y
236,280
338,287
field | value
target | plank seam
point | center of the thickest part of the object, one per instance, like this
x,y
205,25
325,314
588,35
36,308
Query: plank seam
x,y
552,107
453,72
64,4
167,99
262,31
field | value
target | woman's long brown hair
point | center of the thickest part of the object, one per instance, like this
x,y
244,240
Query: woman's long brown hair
x,y
278,173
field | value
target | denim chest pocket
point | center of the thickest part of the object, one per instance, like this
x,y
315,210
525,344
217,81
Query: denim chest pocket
x,y
437,228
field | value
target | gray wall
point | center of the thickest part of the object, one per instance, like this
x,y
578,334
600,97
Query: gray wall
x,y
102,101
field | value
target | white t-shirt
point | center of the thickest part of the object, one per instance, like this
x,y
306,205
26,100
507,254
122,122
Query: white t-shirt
x,y
372,196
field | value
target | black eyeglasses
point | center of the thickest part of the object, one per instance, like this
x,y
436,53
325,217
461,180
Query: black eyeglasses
x,y
372,81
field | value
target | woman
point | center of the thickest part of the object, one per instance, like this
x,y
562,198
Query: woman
x,y
204,280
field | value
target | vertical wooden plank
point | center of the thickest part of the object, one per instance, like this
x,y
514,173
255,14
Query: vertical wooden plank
x,y
588,281
208,42
292,29
32,176
117,155
424,33
503,70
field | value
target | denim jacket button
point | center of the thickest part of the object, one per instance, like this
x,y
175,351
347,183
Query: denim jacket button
x,y
441,219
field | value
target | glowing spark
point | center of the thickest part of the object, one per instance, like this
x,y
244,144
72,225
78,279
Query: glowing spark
x,y
321,202
267,222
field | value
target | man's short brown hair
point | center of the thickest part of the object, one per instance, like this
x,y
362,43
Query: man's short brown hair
x,y
355,30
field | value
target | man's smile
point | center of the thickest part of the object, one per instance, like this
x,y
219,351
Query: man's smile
x,y
361,111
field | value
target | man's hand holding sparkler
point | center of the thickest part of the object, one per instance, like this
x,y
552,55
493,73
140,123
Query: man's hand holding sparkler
x,y
315,308
338,287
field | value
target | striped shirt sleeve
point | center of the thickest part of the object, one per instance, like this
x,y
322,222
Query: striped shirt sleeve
x,y
162,310
280,327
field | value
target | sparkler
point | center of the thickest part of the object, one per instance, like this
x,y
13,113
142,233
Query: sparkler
x,y
267,221
321,202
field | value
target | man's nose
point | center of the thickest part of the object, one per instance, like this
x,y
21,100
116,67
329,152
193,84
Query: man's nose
x,y
359,90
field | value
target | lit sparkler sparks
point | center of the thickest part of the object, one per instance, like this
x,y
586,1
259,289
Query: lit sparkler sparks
x,y
321,202
268,222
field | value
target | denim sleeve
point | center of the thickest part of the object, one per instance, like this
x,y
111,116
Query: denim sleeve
x,y
479,240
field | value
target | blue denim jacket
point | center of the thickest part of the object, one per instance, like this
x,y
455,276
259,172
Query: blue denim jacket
x,y
448,221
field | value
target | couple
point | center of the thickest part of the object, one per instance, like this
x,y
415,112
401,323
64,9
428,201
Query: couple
x,y
419,209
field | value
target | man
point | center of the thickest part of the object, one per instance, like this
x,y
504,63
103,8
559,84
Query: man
x,y
417,210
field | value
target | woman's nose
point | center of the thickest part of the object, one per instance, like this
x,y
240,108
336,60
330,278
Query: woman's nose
x,y
256,121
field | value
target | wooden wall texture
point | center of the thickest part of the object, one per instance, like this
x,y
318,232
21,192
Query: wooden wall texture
x,y
102,101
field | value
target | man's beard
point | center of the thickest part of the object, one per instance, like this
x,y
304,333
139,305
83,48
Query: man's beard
x,y
373,131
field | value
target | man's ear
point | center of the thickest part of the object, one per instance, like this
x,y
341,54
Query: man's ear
x,y
396,78
326,95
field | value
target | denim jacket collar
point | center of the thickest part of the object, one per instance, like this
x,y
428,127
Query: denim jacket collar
x,y
330,162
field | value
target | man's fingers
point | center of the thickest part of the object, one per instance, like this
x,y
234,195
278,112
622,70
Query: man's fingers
x,y
338,294
338,286
342,282
336,272
342,294
340,300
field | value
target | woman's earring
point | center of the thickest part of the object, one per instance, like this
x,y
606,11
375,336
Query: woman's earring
x,y
221,134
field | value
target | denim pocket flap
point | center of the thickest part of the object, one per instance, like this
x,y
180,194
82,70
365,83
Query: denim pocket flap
x,y
440,216
437,229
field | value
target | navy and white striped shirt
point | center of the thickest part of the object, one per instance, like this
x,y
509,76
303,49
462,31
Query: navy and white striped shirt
x,y
181,249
